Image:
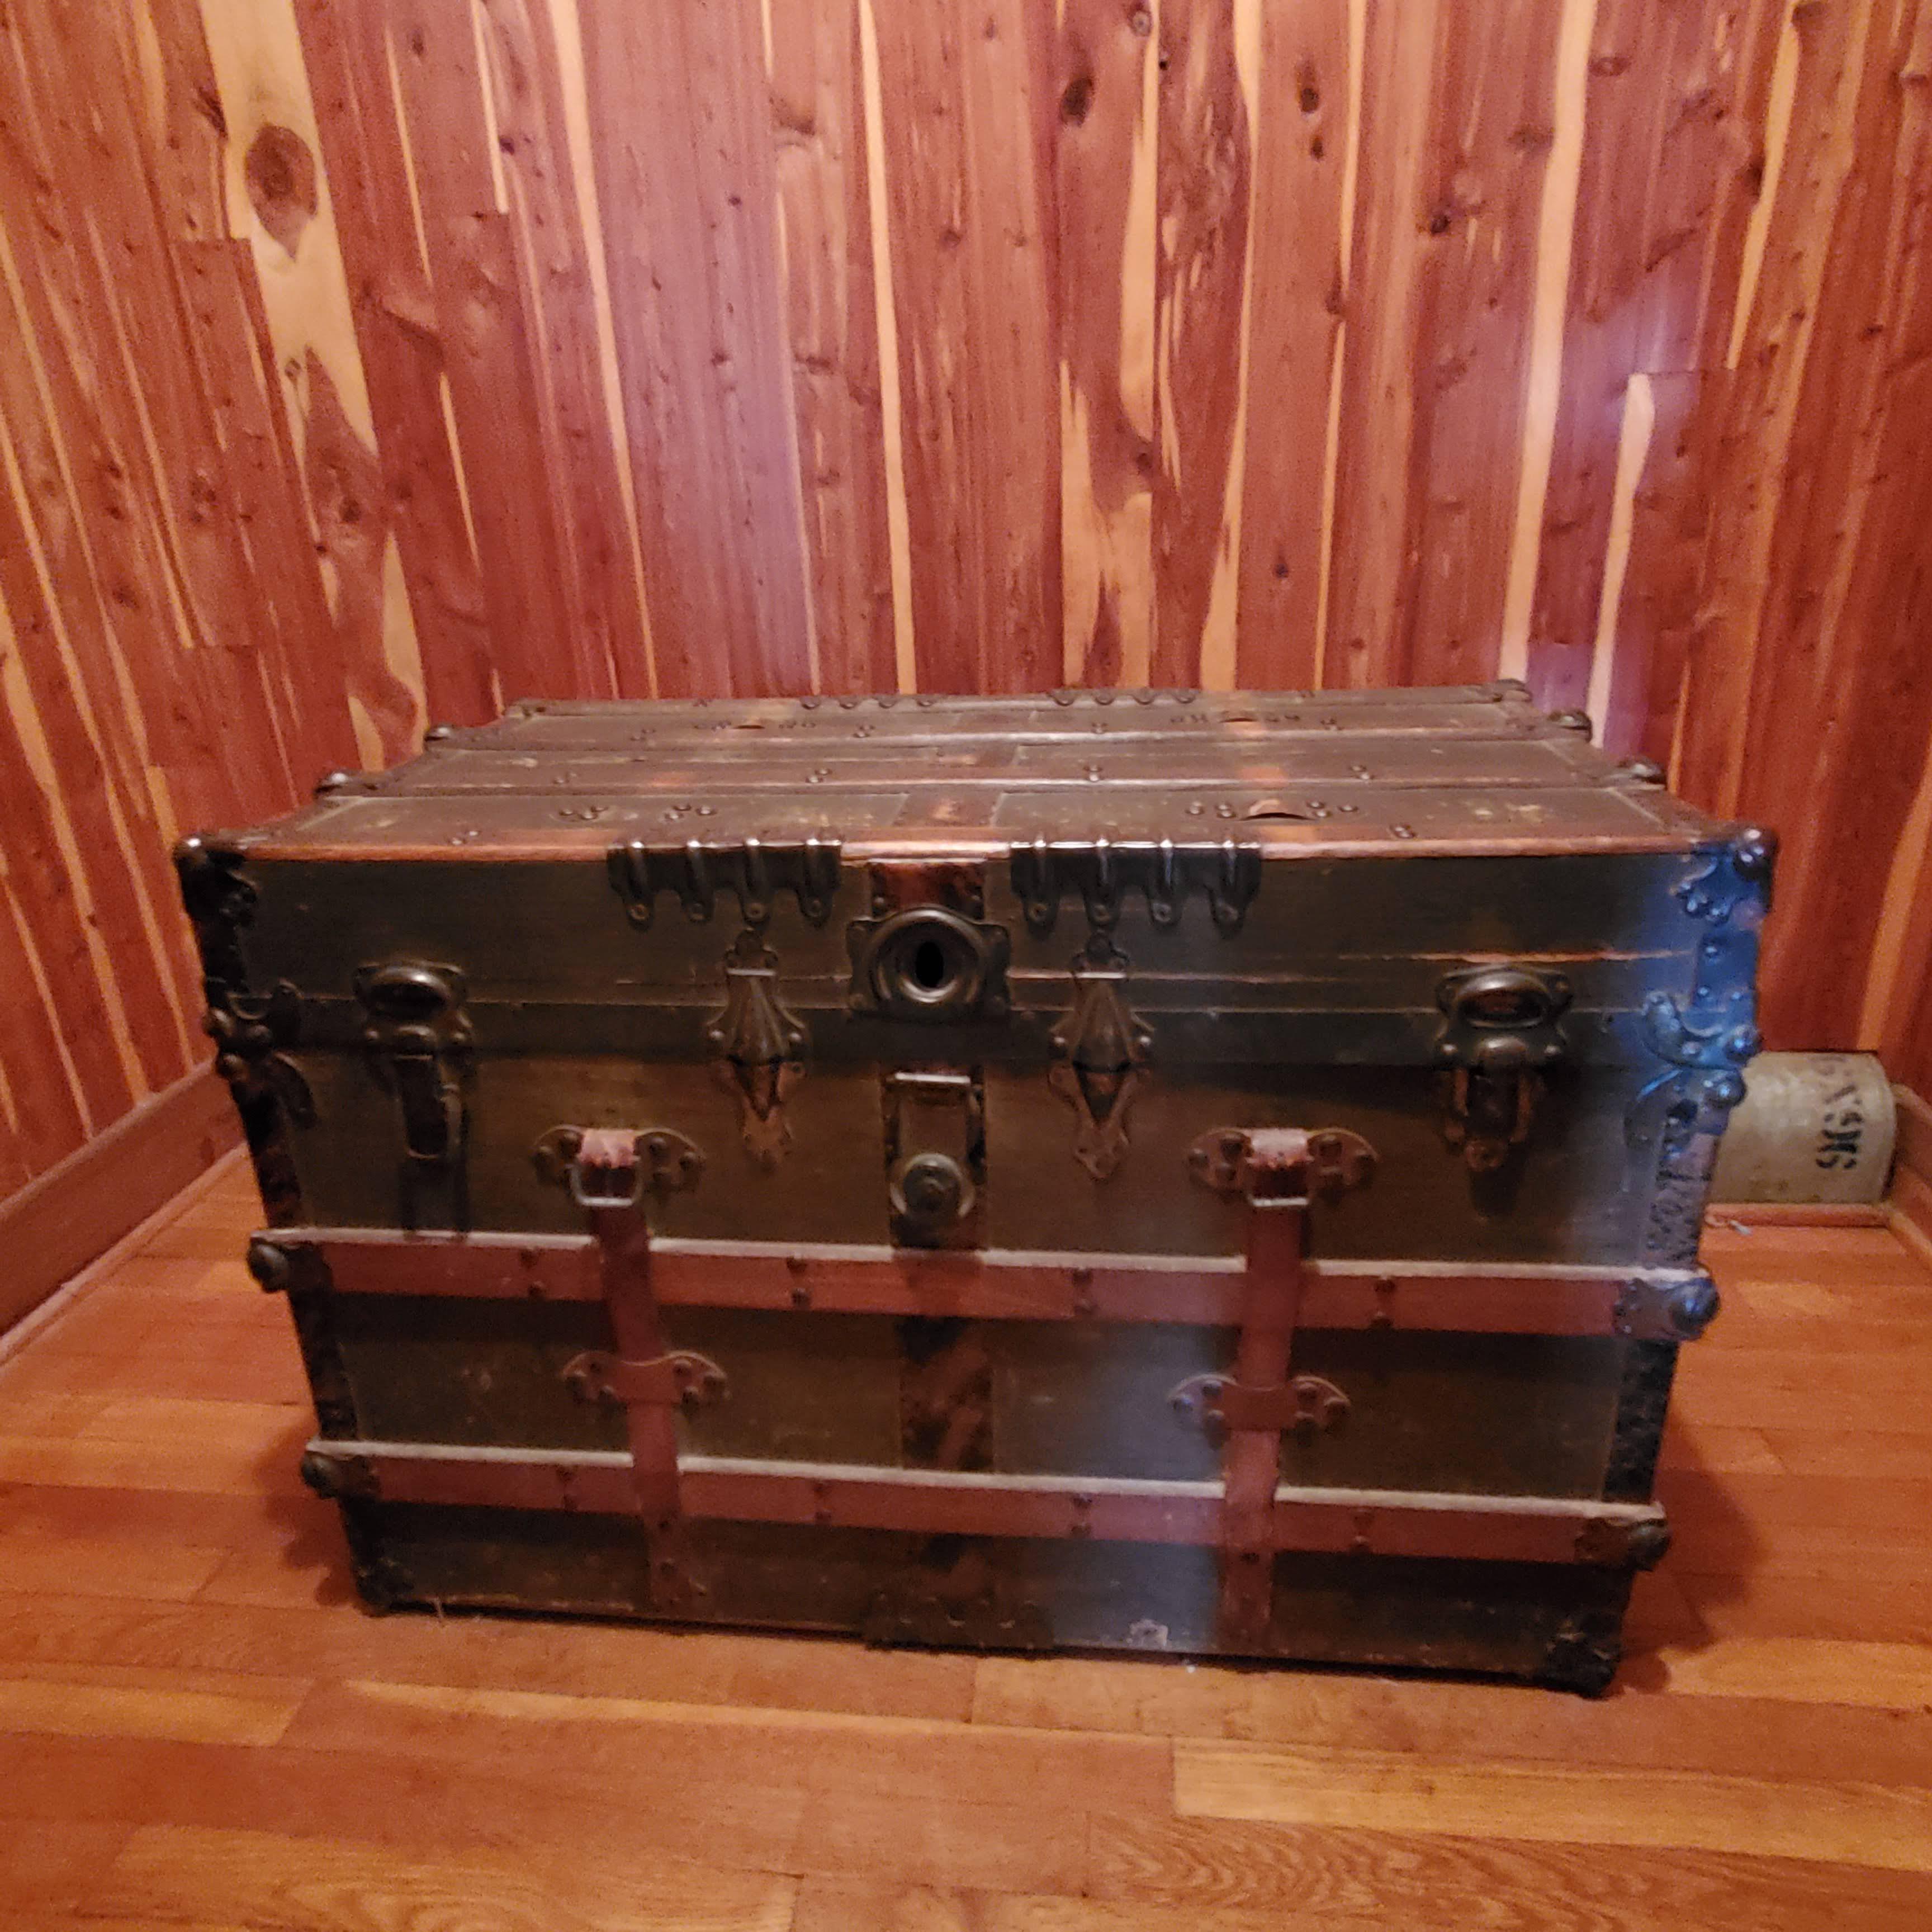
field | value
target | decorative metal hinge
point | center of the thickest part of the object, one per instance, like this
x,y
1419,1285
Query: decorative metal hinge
x,y
758,1044
616,1167
1102,871
251,1031
1501,1027
1103,1051
682,1379
419,1046
1224,1159
754,869
1707,1038
1305,1406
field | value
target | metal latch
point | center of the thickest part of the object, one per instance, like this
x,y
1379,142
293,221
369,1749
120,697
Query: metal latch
x,y
935,1139
419,1046
1501,1027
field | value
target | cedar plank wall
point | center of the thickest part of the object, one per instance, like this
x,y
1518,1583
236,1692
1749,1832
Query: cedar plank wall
x,y
367,361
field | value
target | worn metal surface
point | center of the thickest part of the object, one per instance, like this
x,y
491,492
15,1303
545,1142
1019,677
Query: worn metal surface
x,y
897,1073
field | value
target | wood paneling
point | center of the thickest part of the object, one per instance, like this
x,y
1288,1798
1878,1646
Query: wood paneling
x,y
366,364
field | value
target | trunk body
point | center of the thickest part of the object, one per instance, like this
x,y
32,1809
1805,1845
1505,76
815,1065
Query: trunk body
x,y
1159,1170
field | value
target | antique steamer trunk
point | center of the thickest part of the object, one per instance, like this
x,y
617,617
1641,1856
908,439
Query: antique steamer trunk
x,y
1157,1170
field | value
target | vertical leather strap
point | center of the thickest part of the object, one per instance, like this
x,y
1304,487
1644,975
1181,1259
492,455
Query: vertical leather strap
x,y
606,1181
1275,1179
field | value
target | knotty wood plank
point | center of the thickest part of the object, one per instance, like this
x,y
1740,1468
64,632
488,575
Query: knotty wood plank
x,y
1106,75
1204,190
825,220
680,129
346,61
1674,101
1221,1864
534,71
1296,302
486,328
967,101
1455,135
318,1884
1848,1823
1762,401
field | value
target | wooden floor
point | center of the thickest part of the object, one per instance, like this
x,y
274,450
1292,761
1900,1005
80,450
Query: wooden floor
x,y
198,1726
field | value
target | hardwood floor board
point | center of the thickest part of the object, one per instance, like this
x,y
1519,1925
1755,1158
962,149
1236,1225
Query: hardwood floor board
x,y
1821,1450
31,1564
850,1754
1479,1723
228,1522
484,1653
127,1701
305,1884
1689,1443
1660,1613
839,1905
1853,1607
45,1869
257,1427
244,1469
1315,1876
650,1811
268,1368
1887,1507
1809,1670
1830,1256
958,1842
1872,1824
47,1411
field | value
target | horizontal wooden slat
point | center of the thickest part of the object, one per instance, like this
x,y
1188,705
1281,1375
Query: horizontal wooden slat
x,y
1000,1284
1384,1522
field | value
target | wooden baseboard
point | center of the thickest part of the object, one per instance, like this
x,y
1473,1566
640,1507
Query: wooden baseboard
x,y
1798,1214
1910,1200
55,1226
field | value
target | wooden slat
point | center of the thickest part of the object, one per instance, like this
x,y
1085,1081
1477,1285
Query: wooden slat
x,y
967,98
825,215
1203,189
1454,141
1665,188
1104,152
997,1284
1296,299
679,130
346,70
